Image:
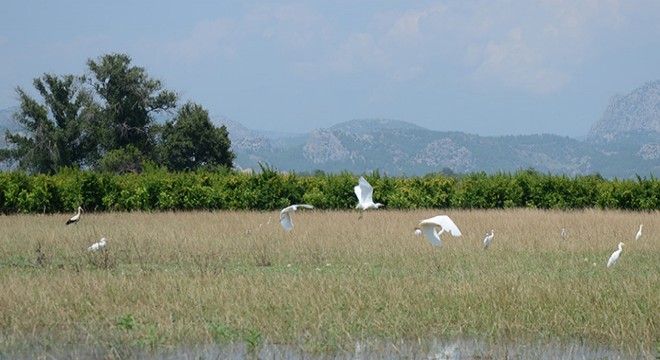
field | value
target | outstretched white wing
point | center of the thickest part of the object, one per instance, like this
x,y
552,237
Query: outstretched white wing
x,y
364,192
428,227
285,215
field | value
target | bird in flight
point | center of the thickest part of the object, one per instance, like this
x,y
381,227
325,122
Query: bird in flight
x,y
364,192
444,222
285,215
75,218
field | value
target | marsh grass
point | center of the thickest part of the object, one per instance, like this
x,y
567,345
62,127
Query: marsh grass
x,y
167,280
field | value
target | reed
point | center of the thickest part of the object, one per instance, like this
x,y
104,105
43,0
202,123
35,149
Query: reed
x,y
171,279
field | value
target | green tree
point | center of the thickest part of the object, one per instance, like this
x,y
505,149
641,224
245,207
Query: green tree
x,y
191,141
129,100
56,133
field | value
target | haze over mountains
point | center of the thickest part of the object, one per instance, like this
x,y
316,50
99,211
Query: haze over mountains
x,y
623,143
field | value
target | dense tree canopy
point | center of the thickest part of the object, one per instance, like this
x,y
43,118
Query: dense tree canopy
x,y
107,121
56,133
191,141
128,101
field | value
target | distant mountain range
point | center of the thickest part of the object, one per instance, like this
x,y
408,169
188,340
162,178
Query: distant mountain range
x,y
625,142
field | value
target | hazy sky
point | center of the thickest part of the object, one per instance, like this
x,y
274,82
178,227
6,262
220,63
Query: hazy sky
x,y
490,67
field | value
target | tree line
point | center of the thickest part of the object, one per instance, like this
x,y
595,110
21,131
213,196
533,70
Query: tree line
x,y
106,120
157,189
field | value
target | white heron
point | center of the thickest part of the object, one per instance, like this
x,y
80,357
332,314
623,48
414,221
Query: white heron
x,y
98,246
615,255
563,233
429,228
285,215
364,192
75,218
488,239
639,232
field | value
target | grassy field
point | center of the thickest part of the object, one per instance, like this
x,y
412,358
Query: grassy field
x,y
168,280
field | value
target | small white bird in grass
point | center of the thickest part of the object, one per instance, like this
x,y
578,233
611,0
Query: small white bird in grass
x,y
285,215
429,228
364,192
74,219
615,255
98,246
563,233
639,232
488,239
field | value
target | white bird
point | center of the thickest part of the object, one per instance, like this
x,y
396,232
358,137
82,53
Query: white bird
x,y
364,192
563,233
74,219
639,232
615,255
429,228
488,239
285,215
97,246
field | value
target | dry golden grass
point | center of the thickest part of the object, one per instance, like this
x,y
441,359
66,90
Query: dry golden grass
x,y
167,279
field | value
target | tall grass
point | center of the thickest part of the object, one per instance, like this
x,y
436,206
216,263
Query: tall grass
x,y
167,279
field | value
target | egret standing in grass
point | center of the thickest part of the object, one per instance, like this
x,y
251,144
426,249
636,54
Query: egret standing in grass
x,y
563,233
488,239
75,218
285,215
364,192
98,246
615,255
429,228
639,232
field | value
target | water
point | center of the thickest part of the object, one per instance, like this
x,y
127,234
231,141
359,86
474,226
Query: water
x,y
362,350
433,350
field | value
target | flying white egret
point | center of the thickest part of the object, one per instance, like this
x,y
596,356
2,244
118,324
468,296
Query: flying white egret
x,y
75,218
615,255
429,228
563,233
364,192
285,215
98,246
639,232
488,239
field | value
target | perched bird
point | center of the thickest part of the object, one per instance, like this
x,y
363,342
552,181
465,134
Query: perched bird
x,y
615,255
364,192
429,228
285,215
75,218
563,233
98,246
639,232
488,239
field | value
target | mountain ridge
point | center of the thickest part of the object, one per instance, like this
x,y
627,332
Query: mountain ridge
x,y
623,143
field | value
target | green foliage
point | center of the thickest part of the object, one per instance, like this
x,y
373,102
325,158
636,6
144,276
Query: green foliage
x,y
191,141
56,133
157,189
129,99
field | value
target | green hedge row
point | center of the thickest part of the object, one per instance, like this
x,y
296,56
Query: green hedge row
x,y
157,189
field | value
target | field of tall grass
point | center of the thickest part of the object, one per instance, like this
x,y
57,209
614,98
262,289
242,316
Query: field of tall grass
x,y
173,280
